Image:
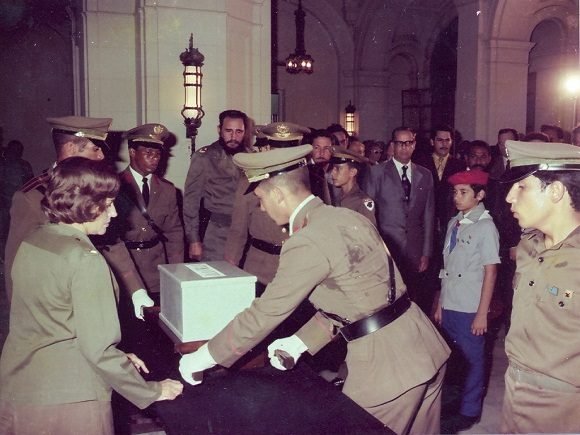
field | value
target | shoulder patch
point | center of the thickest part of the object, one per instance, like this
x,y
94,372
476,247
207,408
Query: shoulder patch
x,y
203,150
369,204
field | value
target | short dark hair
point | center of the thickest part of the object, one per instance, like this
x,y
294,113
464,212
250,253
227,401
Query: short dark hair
x,y
321,133
513,131
335,128
536,135
480,144
78,190
570,180
402,128
235,114
14,149
446,128
559,131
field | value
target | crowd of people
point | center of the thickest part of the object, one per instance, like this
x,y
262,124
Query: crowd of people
x,y
392,256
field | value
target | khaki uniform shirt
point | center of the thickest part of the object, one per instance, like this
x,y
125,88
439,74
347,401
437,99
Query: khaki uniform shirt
x,y
213,177
340,255
360,202
26,215
544,335
64,328
250,222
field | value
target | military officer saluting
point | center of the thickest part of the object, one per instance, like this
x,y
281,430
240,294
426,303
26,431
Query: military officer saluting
x,y
347,168
543,343
336,258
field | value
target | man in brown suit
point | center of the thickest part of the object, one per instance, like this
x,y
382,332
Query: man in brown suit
x,y
72,136
340,255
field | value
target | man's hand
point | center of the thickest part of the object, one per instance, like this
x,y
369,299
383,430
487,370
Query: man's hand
x,y
438,314
141,299
479,325
292,346
137,362
195,250
194,363
423,264
170,389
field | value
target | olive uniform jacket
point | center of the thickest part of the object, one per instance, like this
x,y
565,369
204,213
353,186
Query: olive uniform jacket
x,y
64,326
250,222
26,215
407,228
213,177
340,255
360,202
132,226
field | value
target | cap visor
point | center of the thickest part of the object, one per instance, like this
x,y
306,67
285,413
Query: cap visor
x,y
101,143
251,187
511,175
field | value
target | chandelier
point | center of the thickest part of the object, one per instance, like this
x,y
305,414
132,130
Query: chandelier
x,y
299,61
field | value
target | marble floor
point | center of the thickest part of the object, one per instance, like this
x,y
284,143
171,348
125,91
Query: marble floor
x,y
490,419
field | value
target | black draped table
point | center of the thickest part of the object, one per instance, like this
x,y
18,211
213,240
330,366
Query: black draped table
x,y
265,401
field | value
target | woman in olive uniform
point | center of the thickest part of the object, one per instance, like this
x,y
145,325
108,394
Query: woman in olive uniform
x,y
60,361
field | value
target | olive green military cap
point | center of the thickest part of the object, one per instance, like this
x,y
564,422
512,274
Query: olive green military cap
x,y
150,135
527,158
282,131
267,164
80,126
343,155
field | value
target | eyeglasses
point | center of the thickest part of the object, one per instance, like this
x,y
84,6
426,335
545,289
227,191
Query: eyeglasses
x,y
406,143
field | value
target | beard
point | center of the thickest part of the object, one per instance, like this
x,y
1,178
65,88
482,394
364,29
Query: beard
x,y
228,149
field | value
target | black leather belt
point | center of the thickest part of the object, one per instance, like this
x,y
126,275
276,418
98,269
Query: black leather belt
x,y
148,244
267,247
374,322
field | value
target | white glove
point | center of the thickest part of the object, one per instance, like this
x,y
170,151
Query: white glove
x,y
195,362
141,299
292,345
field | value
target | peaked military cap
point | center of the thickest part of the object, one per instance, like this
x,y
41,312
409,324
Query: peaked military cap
x,y
94,129
282,131
267,164
151,135
527,158
343,155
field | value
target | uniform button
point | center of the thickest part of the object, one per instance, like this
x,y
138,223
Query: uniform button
x,y
459,275
531,283
541,259
561,303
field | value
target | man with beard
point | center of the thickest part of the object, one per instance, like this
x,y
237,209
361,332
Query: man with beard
x,y
213,178
322,143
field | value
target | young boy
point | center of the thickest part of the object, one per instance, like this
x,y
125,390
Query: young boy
x,y
470,257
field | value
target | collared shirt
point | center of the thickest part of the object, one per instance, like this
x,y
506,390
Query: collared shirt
x,y
399,167
139,178
440,163
544,335
297,210
477,246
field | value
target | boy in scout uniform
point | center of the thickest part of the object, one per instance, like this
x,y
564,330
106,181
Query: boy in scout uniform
x,y
347,168
340,255
72,136
543,343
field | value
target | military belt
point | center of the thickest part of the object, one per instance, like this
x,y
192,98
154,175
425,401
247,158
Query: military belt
x,y
374,322
267,247
221,219
539,380
148,244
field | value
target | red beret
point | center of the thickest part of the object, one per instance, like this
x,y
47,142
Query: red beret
x,y
475,176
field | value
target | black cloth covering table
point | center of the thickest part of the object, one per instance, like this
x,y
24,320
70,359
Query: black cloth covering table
x,y
265,401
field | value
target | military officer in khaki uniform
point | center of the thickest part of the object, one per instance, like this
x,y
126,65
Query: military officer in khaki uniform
x,y
72,136
213,178
340,255
250,223
347,168
543,342
147,204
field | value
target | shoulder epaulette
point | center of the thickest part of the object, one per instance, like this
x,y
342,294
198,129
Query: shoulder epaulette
x,y
202,150
37,182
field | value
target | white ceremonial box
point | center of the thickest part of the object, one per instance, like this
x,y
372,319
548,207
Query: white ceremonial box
x,y
199,299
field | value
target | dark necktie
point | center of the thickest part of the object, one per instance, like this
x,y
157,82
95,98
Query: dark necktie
x,y
406,184
145,191
453,239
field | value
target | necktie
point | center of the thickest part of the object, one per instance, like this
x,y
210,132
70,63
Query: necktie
x,y
406,184
453,239
440,167
145,191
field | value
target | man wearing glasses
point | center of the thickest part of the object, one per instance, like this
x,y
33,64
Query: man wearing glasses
x,y
405,202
